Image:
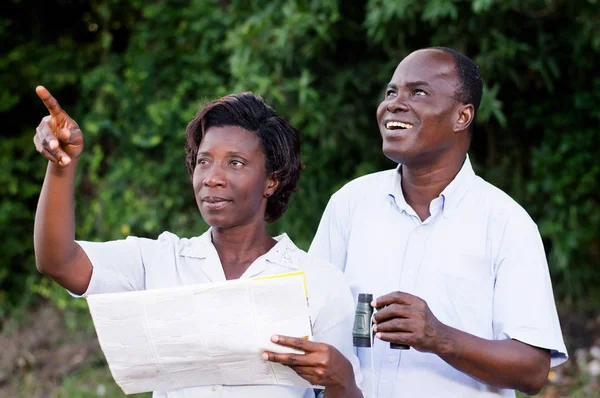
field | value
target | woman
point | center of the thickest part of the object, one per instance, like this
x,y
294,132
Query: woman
x,y
244,162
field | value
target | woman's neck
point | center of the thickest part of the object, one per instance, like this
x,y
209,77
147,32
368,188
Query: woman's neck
x,y
238,247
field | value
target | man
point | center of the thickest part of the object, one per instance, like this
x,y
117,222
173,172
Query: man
x,y
458,267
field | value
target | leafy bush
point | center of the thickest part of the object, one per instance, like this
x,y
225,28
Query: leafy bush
x,y
134,73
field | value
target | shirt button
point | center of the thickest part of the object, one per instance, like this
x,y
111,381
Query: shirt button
x,y
214,388
392,358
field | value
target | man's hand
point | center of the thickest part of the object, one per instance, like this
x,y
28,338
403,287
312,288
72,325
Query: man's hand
x,y
58,137
406,319
321,364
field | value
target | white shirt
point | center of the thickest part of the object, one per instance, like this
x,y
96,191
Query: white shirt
x,y
478,261
139,264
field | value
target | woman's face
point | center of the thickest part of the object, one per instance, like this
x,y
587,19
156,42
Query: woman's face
x,y
230,178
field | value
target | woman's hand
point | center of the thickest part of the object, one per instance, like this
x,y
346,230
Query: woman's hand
x,y
58,137
321,364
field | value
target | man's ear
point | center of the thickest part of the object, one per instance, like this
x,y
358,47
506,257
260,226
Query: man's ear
x,y
466,115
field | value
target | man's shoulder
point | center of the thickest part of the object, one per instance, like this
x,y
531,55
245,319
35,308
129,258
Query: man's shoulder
x,y
363,185
373,179
318,267
326,283
500,204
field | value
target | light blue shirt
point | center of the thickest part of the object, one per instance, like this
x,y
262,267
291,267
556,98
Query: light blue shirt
x,y
478,261
140,264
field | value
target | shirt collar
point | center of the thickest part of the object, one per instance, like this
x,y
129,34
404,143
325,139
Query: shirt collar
x,y
283,253
198,247
457,189
395,189
450,196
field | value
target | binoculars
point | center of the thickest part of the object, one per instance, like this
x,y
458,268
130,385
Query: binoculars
x,y
361,332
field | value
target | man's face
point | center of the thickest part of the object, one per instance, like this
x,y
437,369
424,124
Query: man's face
x,y
230,178
417,116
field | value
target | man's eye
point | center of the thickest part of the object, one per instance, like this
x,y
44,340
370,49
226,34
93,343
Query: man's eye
x,y
389,93
418,92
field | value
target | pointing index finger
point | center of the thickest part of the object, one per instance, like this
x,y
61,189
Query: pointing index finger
x,y
50,102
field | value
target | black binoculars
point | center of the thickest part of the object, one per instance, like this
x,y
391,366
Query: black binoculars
x,y
361,332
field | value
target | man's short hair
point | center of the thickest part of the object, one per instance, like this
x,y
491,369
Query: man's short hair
x,y
470,82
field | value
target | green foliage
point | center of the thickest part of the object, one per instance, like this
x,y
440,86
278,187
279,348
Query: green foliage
x,y
134,73
93,380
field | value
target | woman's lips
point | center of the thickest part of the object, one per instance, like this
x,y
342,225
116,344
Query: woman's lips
x,y
213,203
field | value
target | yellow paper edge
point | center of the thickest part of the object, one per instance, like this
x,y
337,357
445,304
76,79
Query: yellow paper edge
x,y
297,273
289,274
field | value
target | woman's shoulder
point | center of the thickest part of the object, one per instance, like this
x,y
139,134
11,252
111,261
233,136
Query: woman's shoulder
x,y
168,239
165,248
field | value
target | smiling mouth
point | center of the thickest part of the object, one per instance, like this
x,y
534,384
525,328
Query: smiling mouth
x,y
398,126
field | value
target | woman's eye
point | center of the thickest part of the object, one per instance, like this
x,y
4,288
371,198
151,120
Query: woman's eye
x,y
236,163
202,161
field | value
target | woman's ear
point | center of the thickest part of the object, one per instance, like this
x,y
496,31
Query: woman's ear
x,y
271,186
466,114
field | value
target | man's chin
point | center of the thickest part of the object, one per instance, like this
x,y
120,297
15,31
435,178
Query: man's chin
x,y
394,153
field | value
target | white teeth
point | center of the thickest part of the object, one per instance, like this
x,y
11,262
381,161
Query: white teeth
x,y
393,125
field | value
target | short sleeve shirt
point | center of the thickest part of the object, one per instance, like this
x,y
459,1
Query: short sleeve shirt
x,y
478,261
139,263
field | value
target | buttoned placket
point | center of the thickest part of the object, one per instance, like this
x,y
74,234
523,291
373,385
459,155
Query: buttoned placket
x,y
411,265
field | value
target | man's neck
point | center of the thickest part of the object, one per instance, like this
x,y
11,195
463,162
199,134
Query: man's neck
x,y
423,183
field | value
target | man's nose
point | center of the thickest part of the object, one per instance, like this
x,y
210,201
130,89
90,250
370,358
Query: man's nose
x,y
398,104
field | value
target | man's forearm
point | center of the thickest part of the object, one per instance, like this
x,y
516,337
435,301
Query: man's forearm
x,y
500,363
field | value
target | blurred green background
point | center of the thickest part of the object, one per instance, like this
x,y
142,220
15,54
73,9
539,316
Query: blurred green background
x,y
133,73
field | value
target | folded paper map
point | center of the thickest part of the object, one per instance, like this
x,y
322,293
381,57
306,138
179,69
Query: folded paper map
x,y
215,333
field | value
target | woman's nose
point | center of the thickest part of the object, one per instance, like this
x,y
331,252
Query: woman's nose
x,y
215,177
